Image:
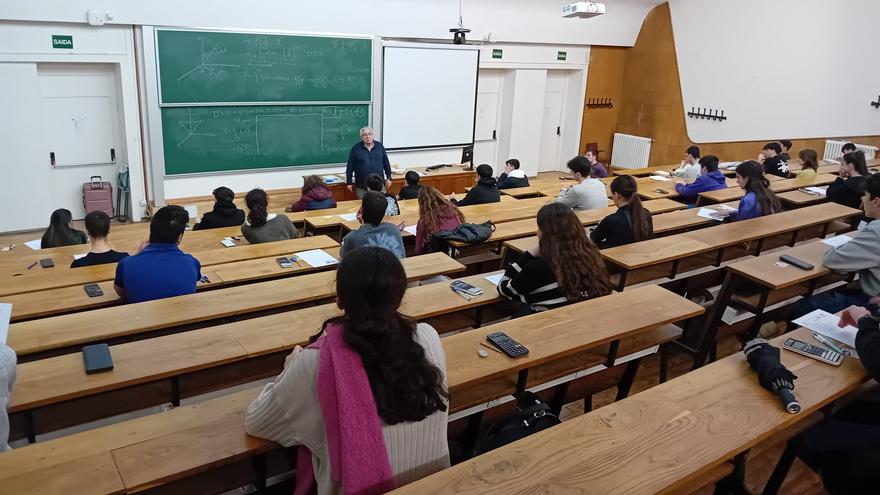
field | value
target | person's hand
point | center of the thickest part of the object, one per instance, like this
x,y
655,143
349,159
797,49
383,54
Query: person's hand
x,y
350,188
360,216
851,316
142,245
452,196
293,355
535,250
401,225
387,183
680,182
761,157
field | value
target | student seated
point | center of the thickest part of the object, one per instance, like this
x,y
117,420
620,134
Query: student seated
x,y
315,196
785,144
861,254
759,200
160,269
846,148
772,162
710,179
690,166
809,167
436,214
485,191
98,226
845,448
630,223
376,184
588,193
849,187
564,266
512,177
411,189
224,214
262,226
598,169
373,231
60,233
8,361
371,379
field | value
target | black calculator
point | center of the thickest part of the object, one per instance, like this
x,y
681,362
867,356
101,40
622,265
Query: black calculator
x,y
822,354
507,345
93,290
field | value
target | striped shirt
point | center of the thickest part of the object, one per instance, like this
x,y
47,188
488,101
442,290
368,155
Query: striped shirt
x,y
530,280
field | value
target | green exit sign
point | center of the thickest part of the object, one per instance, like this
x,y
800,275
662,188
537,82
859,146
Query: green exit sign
x,y
560,55
62,41
497,52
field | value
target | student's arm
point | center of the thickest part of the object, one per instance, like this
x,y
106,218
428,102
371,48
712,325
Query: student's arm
x,y
386,165
522,277
276,413
118,283
503,182
420,237
469,198
858,254
868,345
349,166
567,197
291,230
600,234
300,204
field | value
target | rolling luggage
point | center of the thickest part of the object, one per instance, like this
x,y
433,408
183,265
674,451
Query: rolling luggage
x,y
98,195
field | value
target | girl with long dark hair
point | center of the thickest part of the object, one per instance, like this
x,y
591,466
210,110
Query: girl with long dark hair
x,y
60,233
849,187
564,267
262,226
367,400
630,223
759,200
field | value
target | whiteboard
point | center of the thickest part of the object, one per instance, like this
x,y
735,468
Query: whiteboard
x,y
780,69
429,95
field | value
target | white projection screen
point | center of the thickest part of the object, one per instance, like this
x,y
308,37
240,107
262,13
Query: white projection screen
x,y
429,95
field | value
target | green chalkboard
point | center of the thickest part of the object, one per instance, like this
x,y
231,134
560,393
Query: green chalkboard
x,y
223,67
224,138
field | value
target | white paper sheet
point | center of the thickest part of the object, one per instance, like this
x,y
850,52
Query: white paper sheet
x,y
710,213
228,242
78,256
193,211
660,178
825,323
411,229
818,191
495,279
838,240
5,315
34,244
317,258
349,217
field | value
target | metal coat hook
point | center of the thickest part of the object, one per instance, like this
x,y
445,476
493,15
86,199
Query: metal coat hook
x,y
706,113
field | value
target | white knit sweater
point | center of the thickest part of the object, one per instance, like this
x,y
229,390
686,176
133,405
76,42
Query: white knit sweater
x,y
288,412
7,380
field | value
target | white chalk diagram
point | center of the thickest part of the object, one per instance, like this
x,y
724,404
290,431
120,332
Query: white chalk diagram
x,y
191,126
206,65
321,115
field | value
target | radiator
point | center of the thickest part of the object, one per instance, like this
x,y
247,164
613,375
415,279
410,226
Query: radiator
x,y
630,151
833,150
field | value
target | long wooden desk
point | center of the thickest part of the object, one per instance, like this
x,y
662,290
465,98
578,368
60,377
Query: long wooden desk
x,y
152,451
798,198
657,441
49,278
102,325
732,193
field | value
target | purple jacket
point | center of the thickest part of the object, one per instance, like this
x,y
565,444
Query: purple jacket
x,y
708,182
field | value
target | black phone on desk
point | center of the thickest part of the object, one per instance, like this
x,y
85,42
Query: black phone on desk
x,y
96,358
47,263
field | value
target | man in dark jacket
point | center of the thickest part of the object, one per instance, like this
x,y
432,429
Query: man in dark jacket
x,y
772,160
512,177
710,179
224,214
486,190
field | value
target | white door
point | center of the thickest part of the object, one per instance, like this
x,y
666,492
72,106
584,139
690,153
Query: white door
x,y
551,132
487,123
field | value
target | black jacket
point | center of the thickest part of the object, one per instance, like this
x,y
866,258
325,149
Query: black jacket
x,y
616,229
868,346
223,215
847,192
409,192
486,191
505,182
776,166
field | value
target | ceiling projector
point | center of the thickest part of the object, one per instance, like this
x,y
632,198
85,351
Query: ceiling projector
x,y
584,10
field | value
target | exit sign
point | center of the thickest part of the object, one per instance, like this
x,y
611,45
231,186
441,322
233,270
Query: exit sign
x,y
62,41
496,52
560,55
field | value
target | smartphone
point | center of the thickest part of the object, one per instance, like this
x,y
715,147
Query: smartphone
x,y
96,358
47,263
467,288
284,262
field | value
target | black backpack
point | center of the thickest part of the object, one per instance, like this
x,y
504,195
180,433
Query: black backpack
x,y
467,232
531,416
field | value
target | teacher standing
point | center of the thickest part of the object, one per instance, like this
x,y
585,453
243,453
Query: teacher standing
x,y
366,158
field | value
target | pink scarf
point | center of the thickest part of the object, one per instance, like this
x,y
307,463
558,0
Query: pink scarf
x,y
358,457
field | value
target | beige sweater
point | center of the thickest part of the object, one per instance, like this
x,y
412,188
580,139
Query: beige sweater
x,y
288,412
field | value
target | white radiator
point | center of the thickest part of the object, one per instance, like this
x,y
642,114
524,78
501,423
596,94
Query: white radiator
x,y
630,151
833,150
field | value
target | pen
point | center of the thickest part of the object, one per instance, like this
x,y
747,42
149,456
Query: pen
x,y
827,343
462,294
32,265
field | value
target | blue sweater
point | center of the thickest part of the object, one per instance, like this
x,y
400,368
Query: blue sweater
x,y
748,208
708,182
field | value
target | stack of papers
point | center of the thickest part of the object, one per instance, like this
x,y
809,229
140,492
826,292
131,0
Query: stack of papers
x,y
317,258
716,212
728,165
78,256
349,217
660,178
836,241
411,229
495,279
34,244
818,191
825,323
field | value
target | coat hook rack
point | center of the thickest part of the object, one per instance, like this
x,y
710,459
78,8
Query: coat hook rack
x,y
706,113
876,104
599,103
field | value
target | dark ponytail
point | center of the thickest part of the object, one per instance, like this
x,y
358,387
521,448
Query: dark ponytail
x,y
370,283
625,186
758,184
857,160
809,158
258,205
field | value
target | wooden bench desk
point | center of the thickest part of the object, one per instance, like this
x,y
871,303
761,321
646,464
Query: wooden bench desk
x,y
733,193
798,198
521,192
657,441
102,325
49,279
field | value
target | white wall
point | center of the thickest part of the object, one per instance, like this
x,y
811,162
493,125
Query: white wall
x,y
777,68
34,188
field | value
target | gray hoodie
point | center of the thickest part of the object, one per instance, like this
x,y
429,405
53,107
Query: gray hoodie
x,y
862,254
385,235
7,380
